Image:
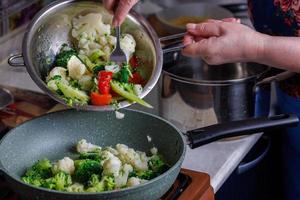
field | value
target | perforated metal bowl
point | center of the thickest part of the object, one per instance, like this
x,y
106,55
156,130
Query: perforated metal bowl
x,y
51,27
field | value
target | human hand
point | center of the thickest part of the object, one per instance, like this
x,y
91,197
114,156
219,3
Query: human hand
x,y
119,8
222,41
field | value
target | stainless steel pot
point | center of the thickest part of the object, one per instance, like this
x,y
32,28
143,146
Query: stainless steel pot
x,y
51,27
194,94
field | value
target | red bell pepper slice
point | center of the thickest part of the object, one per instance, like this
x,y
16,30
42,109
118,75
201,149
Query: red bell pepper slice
x,y
134,61
104,78
136,78
100,99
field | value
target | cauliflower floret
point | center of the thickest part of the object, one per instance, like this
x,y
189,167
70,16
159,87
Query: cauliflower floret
x,y
91,25
76,68
119,115
105,155
76,187
57,71
112,40
138,89
112,150
121,180
83,147
87,47
134,181
102,40
122,149
154,150
66,165
138,160
90,32
107,51
112,166
86,82
143,156
128,44
52,85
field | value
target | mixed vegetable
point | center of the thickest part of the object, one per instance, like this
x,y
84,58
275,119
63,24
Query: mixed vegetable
x,y
97,169
84,75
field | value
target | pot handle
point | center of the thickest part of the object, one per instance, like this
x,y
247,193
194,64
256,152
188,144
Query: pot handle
x,y
212,133
247,166
178,45
16,60
236,7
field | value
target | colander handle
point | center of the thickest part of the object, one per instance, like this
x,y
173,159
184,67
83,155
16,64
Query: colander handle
x,y
16,60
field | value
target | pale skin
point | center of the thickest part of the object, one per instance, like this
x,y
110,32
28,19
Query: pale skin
x,y
119,8
227,41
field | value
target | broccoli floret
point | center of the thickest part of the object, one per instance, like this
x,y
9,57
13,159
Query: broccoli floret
x,y
95,185
88,63
98,68
59,182
96,55
146,175
125,73
126,91
33,180
71,94
74,84
91,155
64,56
84,169
157,164
38,172
56,77
109,182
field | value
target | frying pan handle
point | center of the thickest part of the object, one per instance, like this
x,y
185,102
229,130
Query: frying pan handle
x,y
16,60
212,133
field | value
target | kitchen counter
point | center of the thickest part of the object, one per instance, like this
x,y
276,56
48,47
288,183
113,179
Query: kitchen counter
x,y
218,159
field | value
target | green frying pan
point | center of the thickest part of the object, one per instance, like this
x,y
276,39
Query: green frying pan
x,y
54,135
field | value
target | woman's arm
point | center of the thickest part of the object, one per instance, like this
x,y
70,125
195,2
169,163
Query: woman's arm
x,y
219,42
281,52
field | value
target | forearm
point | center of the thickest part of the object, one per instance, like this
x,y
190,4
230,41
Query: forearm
x,y
280,52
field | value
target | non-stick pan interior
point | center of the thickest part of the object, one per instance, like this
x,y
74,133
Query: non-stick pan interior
x,y
54,136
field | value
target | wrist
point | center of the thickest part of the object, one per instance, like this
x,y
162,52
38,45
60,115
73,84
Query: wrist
x,y
261,46
256,50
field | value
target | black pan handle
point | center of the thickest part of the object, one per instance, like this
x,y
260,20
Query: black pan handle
x,y
212,133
